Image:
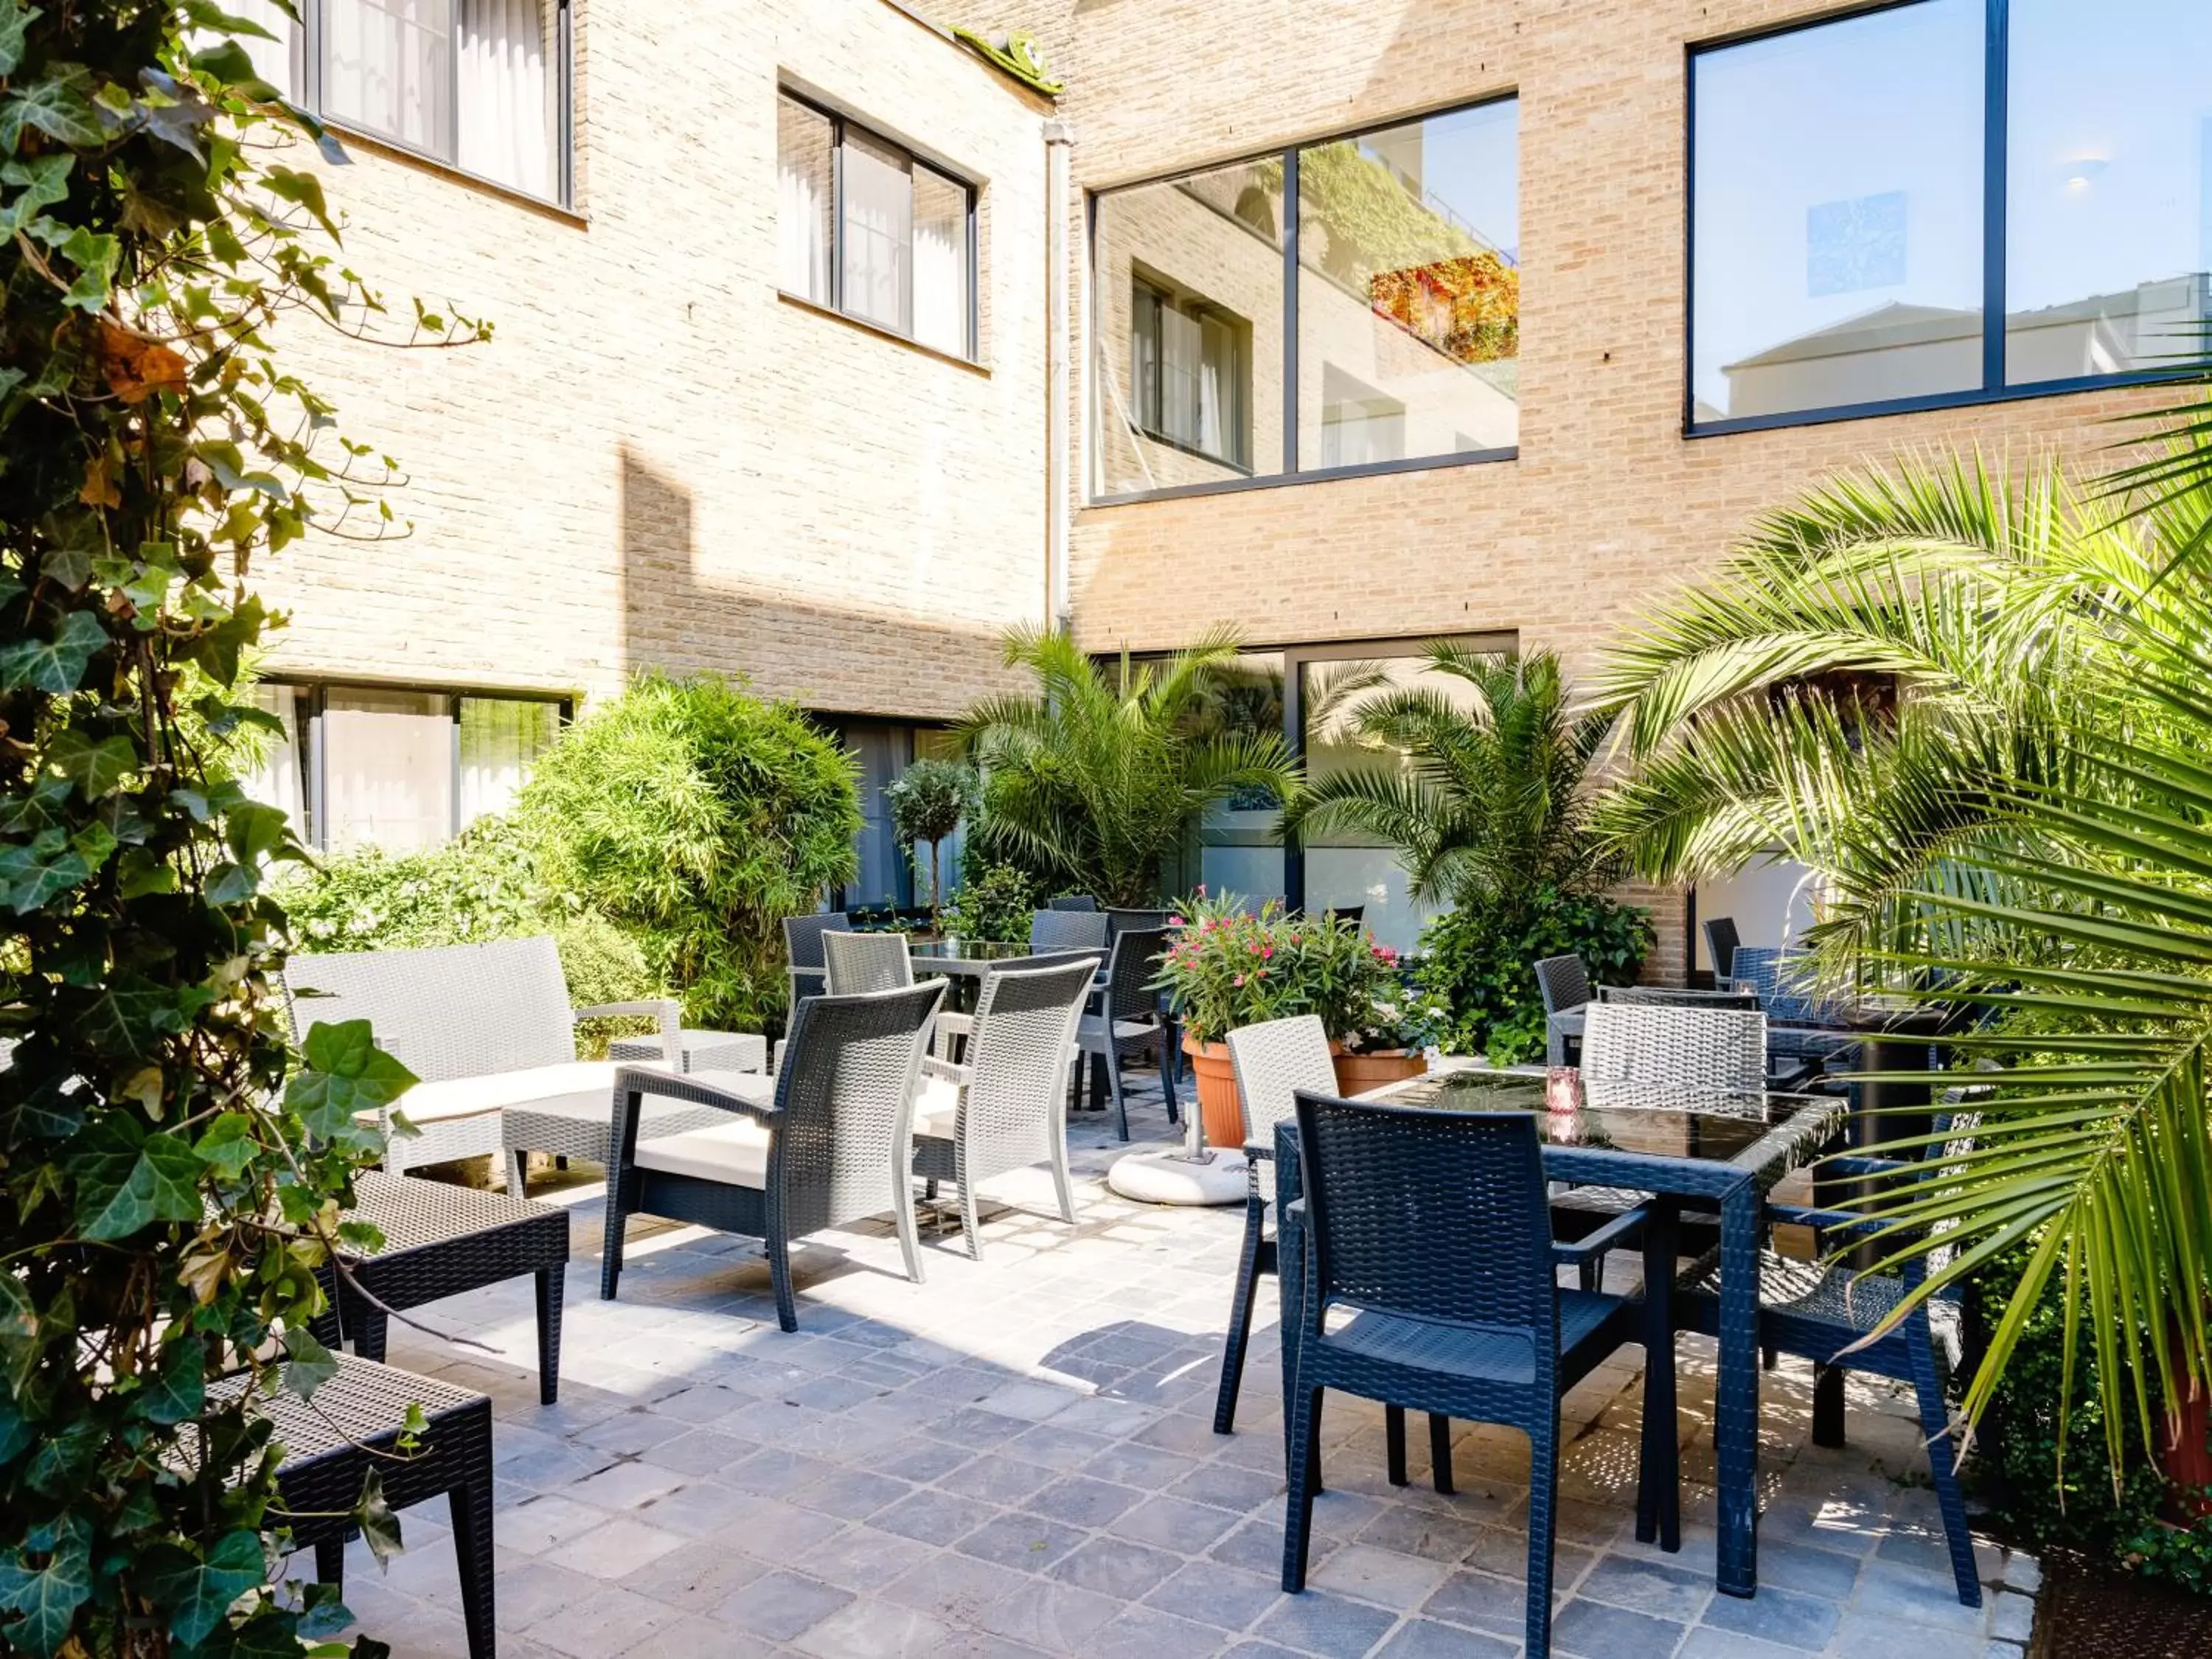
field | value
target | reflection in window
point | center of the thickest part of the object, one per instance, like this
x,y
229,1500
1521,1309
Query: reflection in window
x,y
1190,330
2108,186
1409,287
1240,847
501,740
1838,234
805,170
388,770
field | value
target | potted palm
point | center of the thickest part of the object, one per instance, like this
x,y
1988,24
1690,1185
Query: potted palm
x,y
1230,966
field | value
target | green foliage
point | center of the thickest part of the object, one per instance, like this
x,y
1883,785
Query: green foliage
x,y
1095,782
995,902
1480,962
169,1176
1482,792
928,801
696,817
1230,966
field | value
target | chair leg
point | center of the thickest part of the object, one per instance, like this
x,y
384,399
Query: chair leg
x,y
1167,1039
1393,1438
1827,1404
1942,1461
1440,1455
1304,1472
1240,1317
779,1274
1658,1468
329,1562
909,1235
472,1511
1590,1273
1062,1188
610,1246
368,1332
967,1224
516,1186
1543,1520
1112,1061
550,1289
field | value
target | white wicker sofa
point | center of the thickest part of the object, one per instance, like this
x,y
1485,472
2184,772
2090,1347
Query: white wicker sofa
x,y
488,1028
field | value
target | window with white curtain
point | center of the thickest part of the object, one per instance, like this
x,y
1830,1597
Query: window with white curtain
x,y
870,229
476,83
1187,368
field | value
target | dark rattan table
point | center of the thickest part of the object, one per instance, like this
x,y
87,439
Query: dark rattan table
x,y
440,1240
1711,1147
353,1424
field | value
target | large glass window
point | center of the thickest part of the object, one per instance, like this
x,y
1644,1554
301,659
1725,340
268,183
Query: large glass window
x,y
1848,175
2108,186
869,229
1396,281
477,83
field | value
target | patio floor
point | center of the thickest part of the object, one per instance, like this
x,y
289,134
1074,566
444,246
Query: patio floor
x,y
1018,1458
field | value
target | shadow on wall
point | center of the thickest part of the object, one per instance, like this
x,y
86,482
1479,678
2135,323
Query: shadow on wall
x,y
851,659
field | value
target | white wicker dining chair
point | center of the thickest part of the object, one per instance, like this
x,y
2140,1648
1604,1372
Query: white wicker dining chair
x,y
857,963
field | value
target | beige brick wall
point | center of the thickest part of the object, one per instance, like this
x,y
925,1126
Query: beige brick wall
x,y
657,460
1608,505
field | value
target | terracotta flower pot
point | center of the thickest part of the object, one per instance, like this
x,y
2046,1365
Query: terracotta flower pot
x,y
1357,1074
1220,1107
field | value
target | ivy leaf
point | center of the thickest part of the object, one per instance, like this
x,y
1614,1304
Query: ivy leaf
x,y
348,1074
58,665
200,1592
178,1387
57,108
230,884
22,1332
229,1144
254,831
303,189
15,18
34,874
127,1180
96,768
208,15
94,254
52,1111
123,1022
47,1597
40,181
379,1527
311,1364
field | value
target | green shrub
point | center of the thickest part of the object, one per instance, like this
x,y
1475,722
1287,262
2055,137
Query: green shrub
x,y
994,901
1481,964
928,803
1231,968
696,817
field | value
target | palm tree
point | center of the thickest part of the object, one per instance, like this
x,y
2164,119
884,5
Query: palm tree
x,y
1097,780
2030,820
1483,795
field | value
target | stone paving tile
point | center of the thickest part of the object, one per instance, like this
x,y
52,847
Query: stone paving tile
x,y
916,1473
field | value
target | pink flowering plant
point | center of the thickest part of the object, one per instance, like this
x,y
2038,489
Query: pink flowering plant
x,y
1230,966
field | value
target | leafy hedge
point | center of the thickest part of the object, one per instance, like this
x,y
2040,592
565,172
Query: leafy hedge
x,y
1480,962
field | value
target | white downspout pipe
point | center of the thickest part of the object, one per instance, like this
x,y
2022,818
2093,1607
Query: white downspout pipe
x,y
1060,446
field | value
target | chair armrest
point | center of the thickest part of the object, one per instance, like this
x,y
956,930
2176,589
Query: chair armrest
x,y
670,1013
1623,1230
1850,1164
958,1024
1260,1151
946,1070
652,1081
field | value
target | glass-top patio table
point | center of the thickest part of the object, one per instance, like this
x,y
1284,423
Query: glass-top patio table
x,y
1712,1148
970,957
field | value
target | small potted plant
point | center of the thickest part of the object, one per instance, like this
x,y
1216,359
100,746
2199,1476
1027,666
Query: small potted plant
x,y
1404,1024
1230,966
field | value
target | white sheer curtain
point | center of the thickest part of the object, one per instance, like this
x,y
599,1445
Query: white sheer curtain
x,y
388,764
803,170
277,780
501,740
878,232
387,67
1217,353
272,59
940,262
509,113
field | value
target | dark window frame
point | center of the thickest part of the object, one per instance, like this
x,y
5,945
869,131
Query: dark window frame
x,y
1996,68
1291,474
972,351
1197,308
313,701
306,45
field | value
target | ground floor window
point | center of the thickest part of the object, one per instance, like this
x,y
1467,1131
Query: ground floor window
x,y
884,749
403,767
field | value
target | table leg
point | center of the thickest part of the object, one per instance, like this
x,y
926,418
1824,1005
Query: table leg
x,y
1735,1416
550,1287
1289,1271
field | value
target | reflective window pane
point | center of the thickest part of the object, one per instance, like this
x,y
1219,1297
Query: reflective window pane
x,y
940,261
1838,234
1409,290
2108,218
387,765
878,231
1188,287
501,740
274,769
1240,847
388,69
805,175
509,81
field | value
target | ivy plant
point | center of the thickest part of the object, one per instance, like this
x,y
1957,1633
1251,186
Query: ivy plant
x,y
170,1175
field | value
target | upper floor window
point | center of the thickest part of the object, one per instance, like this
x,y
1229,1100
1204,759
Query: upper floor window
x,y
481,85
1875,226
870,229
1339,305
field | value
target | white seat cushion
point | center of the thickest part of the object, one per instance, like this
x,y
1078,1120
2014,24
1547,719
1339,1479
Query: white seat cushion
x,y
471,1096
937,1107
734,1153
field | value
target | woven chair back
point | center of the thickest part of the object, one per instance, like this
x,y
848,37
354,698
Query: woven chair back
x,y
1079,903
1132,964
1721,940
848,1077
1119,921
857,963
802,947
1018,1058
1428,1215
450,1010
1671,996
1067,930
1782,987
1718,1048
1564,983
1274,1061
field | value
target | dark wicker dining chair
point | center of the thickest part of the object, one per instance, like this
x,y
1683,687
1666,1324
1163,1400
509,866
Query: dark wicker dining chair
x,y
1721,940
802,947
1127,1019
1430,1229
1079,903
1067,930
